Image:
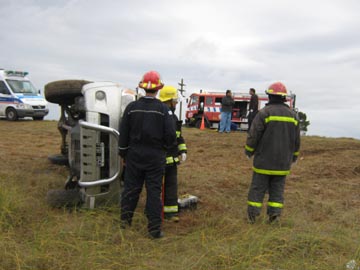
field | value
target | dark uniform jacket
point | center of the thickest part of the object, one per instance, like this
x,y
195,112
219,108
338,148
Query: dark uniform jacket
x,y
274,138
146,131
254,103
227,103
172,154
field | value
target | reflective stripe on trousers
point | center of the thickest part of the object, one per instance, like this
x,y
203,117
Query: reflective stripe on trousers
x,y
171,209
261,183
271,204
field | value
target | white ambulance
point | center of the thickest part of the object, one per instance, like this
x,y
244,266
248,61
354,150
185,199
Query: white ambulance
x,y
19,98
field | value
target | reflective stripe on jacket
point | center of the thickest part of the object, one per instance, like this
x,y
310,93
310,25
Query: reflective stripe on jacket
x,y
147,125
274,138
172,154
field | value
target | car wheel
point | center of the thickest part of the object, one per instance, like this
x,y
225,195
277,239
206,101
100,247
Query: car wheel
x,y
11,114
59,198
64,92
198,123
59,159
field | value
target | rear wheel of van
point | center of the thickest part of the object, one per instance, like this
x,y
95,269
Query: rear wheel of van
x,y
64,92
11,114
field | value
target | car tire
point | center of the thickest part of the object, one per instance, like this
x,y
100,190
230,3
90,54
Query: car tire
x,y
64,92
198,123
59,159
11,114
59,198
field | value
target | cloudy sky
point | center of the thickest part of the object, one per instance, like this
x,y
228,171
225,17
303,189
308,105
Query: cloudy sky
x,y
312,46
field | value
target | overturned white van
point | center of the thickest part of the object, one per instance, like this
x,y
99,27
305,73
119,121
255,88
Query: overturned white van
x,y
19,98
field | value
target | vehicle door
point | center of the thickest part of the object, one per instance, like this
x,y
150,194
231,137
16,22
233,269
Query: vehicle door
x,y
5,97
217,110
192,107
209,107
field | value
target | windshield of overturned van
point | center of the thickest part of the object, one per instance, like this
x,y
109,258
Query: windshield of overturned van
x,y
22,87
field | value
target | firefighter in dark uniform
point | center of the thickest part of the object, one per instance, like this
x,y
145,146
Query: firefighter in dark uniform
x,y
146,132
253,106
274,140
169,95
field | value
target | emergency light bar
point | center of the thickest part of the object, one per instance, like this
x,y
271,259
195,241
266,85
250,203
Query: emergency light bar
x,y
16,73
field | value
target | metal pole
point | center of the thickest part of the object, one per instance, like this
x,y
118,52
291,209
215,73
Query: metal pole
x,y
181,90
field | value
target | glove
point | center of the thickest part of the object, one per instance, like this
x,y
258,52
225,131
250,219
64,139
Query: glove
x,y
183,157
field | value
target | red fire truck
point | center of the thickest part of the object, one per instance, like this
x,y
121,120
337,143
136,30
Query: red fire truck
x,y
209,105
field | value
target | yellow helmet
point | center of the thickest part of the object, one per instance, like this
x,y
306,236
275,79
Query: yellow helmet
x,y
168,93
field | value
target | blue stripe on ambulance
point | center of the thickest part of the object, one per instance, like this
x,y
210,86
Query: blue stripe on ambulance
x,y
36,97
10,100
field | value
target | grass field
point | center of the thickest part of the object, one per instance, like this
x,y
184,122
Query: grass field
x,y
319,229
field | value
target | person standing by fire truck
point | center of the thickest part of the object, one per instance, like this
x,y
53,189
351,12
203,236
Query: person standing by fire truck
x,y
253,106
227,104
274,140
147,130
169,96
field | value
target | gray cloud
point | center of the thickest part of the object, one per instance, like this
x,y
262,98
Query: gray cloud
x,y
312,46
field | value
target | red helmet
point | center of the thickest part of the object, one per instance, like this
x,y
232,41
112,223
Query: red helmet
x,y
151,81
277,89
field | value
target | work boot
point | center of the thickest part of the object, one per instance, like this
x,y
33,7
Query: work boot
x,y
274,219
156,234
172,217
125,224
251,218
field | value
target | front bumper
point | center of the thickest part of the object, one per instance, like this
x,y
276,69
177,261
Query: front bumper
x,y
32,113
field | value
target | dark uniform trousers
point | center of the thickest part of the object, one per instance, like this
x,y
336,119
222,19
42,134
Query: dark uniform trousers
x,y
251,118
171,190
171,207
275,184
135,176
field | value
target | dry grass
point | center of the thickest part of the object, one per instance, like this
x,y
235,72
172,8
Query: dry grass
x,y
319,228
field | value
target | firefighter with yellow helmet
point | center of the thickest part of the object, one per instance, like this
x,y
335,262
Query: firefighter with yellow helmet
x,y
274,140
169,96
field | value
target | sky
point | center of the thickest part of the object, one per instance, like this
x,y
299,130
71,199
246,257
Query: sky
x,y
312,46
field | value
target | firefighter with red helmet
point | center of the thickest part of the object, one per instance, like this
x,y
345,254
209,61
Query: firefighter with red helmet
x,y
274,140
169,96
146,131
